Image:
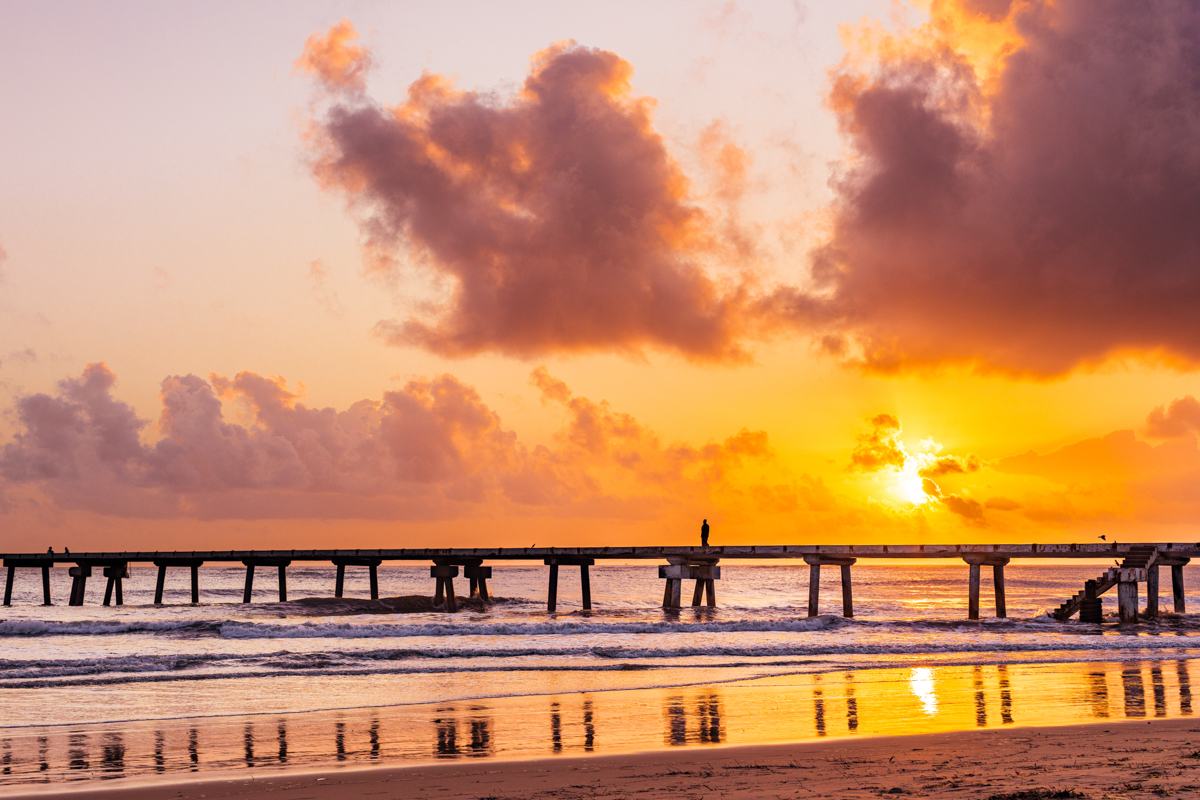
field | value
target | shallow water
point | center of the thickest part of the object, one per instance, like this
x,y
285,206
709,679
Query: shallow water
x,y
792,708
285,675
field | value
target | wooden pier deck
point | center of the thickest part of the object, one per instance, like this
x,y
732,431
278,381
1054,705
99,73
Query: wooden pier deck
x,y
1138,563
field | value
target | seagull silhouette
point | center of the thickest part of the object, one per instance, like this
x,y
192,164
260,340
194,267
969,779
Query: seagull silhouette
x,y
1105,538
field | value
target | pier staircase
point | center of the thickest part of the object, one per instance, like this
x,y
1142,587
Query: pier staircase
x,y
1132,569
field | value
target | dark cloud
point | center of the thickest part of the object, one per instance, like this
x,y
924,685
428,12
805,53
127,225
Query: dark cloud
x,y
1180,418
1029,220
556,218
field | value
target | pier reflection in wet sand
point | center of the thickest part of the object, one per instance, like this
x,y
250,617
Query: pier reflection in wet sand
x,y
776,709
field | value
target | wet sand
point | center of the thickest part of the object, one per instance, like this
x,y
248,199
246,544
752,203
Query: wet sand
x,y
1101,760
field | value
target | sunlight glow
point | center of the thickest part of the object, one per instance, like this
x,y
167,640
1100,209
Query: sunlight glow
x,y
921,683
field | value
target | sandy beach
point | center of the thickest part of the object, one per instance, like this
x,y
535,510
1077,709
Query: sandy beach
x,y
1103,760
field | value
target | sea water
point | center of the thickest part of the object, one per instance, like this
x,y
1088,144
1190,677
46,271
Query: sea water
x,y
96,691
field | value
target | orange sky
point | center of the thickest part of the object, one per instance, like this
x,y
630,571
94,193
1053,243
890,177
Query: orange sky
x,y
868,275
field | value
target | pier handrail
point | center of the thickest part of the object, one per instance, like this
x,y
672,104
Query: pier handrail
x,y
881,551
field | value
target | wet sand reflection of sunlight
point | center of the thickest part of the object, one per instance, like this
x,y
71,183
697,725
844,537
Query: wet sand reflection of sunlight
x,y
921,683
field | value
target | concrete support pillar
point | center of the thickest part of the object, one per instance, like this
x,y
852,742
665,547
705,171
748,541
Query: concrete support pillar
x,y
847,593
283,583
8,585
998,580
479,577
372,564
115,575
249,590
585,579
814,589
975,561
1177,588
973,594
703,570
1152,591
814,582
552,589
158,587
444,594
1091,610
1127,601
79,575
195,569
46,586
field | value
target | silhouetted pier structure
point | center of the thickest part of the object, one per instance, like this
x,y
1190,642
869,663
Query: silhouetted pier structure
x,y
1137,563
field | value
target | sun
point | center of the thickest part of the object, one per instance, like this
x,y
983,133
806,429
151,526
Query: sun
x,y
908,484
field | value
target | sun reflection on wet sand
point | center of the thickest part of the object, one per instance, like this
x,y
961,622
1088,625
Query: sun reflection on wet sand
x,y
768,710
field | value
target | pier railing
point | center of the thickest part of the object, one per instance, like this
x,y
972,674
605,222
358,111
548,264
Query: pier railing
x,y
1139,563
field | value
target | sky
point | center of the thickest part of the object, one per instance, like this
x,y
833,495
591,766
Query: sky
x,y
360,274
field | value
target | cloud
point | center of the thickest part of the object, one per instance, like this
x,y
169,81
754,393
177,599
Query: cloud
x,y
1180,418
880,448
432,450
334,60
1022,190
949,465
554,220
970,510
318,279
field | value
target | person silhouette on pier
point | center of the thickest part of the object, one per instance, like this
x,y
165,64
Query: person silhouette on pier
x,y
704,534
49,551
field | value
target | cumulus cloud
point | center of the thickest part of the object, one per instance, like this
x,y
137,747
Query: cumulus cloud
x,y
432,449
970,510
880,448
1022,192
949,465
1180,418
555,220
335,60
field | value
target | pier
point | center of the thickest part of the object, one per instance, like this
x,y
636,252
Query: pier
x,y
1136,563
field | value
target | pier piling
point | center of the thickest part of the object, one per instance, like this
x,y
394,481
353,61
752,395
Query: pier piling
x,y
115,575
1127,601
249,590
1177,587
161,583
79,575
703,570
585,581
372,564
1091,608
8,584
814,583
445,575
46,586
975,561
1152,591
479,576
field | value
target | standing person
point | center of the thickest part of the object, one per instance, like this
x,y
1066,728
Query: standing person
x,y
704,534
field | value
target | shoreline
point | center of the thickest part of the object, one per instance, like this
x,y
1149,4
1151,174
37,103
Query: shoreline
x,y
1131,758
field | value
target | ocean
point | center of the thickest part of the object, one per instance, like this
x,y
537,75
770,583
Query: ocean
x,y
141,690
